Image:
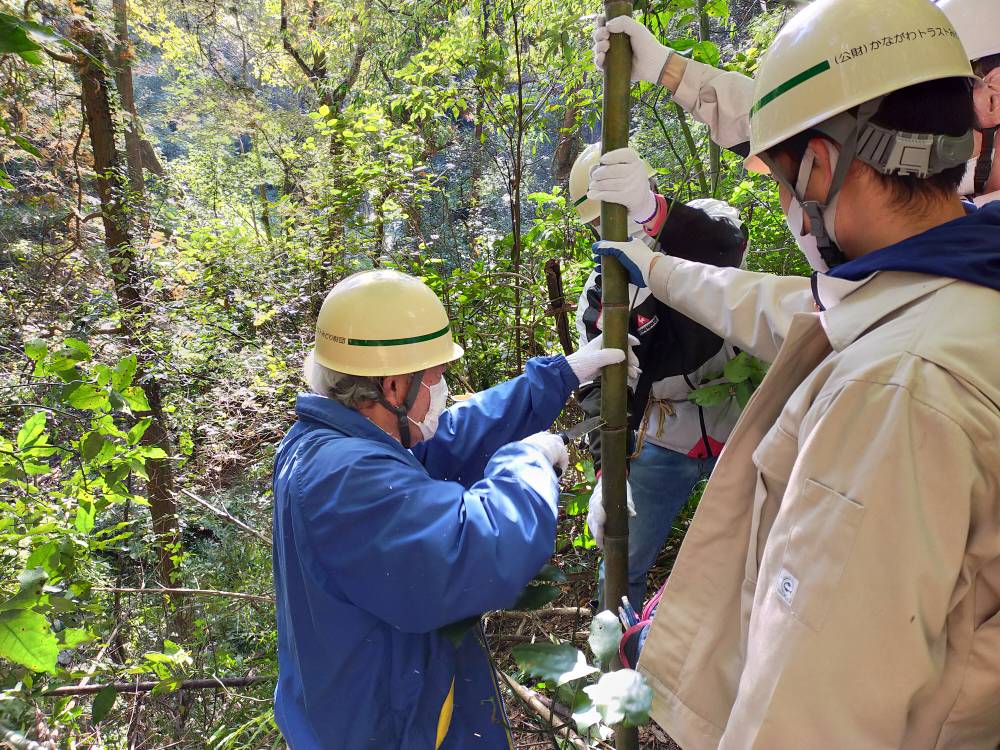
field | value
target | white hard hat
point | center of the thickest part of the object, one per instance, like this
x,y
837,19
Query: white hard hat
x,y
977,23
836,54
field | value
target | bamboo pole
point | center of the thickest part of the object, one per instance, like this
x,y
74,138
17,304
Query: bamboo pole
x,y
614,283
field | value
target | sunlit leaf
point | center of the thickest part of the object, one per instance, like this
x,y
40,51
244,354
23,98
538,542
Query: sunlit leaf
x,y
135,397
32,430
738,368
124,372
32,582
73,637
622,697
89,397
27,639
605,633
138,430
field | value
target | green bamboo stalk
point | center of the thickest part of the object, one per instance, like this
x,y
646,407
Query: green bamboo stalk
x,y
614,283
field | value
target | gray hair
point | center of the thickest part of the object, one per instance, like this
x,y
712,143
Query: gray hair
x,y
350,390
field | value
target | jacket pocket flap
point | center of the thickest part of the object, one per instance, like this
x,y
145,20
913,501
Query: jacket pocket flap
x,y
823,529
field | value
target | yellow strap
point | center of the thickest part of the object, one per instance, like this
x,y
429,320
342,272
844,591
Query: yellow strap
x,y
666,409
444,719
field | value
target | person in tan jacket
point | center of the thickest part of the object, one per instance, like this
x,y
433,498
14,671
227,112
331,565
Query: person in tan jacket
x,y
839,586
721,99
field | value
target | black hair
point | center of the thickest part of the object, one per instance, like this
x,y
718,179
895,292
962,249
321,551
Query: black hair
x,y
984,65
941,107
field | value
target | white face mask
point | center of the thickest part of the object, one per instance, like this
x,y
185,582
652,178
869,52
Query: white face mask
x,y
439,400
968,184
806,240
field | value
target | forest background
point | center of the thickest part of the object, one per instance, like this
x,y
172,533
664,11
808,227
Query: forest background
x,y
181,184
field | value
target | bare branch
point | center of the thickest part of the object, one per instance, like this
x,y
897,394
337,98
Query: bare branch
x,y
546,713
145,687
189,592
287,44
18,741
229,517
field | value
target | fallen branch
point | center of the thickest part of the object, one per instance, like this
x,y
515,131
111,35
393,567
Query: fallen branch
x,y
510,614
189,592
544,712
145,687
580,636
225,514
18,741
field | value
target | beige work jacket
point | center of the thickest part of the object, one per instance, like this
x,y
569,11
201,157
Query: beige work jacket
x,y
839,586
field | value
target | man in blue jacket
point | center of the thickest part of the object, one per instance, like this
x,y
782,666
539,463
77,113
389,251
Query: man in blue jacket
x,y
395,517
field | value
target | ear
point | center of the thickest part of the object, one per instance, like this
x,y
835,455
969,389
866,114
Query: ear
x,y
992,81
394,389
822,171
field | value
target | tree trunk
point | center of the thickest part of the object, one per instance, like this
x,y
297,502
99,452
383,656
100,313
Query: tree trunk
x,y
123,80
714,152
128,291
614,433
557,303
567,148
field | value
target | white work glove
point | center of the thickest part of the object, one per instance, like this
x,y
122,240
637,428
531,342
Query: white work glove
x,y
635,257
596,517
587,361
648,55
621,178
552,447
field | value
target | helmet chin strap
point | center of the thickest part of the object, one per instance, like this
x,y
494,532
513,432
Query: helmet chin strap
x,y
402,411
832,255
985,163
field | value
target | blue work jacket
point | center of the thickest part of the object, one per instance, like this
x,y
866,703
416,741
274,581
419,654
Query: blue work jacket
x,y
376,548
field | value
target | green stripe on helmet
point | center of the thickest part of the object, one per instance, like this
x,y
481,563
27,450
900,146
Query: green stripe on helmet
x,y
399,342
790,84
578,201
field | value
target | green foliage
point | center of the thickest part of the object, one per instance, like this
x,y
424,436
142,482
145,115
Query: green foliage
x,y
605,633
560,663
444,157
740,378
620,697
104,701
26,639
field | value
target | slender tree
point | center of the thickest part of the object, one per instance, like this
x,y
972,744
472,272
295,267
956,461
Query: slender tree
x,y
127,282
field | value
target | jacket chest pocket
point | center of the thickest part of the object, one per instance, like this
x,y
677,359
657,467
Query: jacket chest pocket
x,y
819,527
774,458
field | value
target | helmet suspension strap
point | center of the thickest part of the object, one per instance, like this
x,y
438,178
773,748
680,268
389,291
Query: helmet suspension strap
x,y
402,411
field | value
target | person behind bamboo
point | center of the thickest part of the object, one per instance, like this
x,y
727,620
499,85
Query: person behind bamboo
x,y
839,586
721,99
395,517
675,442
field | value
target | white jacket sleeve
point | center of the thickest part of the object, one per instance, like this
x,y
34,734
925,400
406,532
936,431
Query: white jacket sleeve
x,y
750,310
720,99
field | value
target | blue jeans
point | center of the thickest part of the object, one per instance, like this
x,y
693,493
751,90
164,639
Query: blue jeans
x,y
661,481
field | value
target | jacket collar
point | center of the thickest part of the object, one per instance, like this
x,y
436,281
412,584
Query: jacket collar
x,y
328,413
854,307
828,291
